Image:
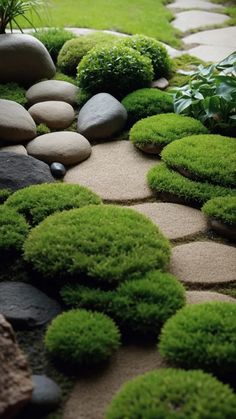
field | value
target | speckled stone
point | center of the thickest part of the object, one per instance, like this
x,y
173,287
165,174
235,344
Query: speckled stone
x,y
197,297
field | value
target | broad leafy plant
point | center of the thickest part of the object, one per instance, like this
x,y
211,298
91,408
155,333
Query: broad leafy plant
x,y
210,96
10,10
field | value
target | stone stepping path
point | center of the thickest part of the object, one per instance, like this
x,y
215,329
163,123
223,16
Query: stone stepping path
x,y
194,4
204,263
116,171
92,394
175,221
194,19
196,297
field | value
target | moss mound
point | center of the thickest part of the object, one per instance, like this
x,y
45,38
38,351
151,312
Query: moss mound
x,y
12,91
177,187
81,338
13,231
210,158
4,194
54,39
222,208
105,243
202,336
173,394
146,102
74,50
152,49
159,130
115,69
36,202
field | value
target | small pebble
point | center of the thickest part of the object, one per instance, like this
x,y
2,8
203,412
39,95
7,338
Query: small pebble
x,y
58,170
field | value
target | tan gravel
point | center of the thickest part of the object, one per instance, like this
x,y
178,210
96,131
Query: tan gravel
x,y
196,297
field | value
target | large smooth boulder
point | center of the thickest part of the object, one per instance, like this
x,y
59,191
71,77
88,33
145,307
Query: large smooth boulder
x,y
101,117
64,147
15,378
52,90
16,124
24,59
55,114
18,171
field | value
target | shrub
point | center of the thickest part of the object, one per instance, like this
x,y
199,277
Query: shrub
x,y
64,77
147,102
42,129
11,10
173,394
4,194
105,243
164,180
222,208
36,202
54,39
74,50
95,299
12,91
152,49
160,130
202,336
82,338
208,158
13,231
116,70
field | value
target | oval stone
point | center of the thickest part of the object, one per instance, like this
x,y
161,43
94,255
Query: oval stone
x,y
16,124
55,114
52,90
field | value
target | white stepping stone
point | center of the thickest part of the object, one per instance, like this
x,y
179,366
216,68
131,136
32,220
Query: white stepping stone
x,y
116,171
194,19
204,263
211,53
175,221
194,4
223,37
196,297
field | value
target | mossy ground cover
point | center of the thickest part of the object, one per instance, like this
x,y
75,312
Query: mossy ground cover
x,y
222,209
13,232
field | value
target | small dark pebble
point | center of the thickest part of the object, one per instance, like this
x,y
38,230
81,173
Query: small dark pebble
x,y
45,398
58,170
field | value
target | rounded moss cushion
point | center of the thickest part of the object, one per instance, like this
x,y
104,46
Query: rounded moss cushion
x,y
13,231
80,337
202,336
146,102
176,188
36,202
155,132
210,158
222,208
103,242
173,394
4,194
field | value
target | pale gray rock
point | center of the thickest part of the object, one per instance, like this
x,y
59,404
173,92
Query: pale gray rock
x,y
52,90
161,83
194,4
19,149
45,398
193,19
55,114
16,124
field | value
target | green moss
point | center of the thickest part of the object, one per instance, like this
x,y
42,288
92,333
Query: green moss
x,y
42,129
54,39
4,194
202,336
74,50
146,102
222,208
81,338
105,243
63,77
115,69
36,202
210,158
12,91
13,231
173,394
151,48
160,130
162,179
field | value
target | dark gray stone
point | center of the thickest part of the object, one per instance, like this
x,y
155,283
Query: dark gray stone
x,y
26,307
101,117
58,170
18,171
46,396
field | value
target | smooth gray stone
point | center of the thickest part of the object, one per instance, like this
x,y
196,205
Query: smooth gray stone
x,y
16,124
52,90
46,395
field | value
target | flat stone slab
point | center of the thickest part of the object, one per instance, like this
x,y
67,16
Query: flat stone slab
x,y
194,4
197,297
223,37
194,19
204,263
175,221
92,394
116,171
211,53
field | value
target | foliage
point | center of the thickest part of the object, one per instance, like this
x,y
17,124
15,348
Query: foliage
x,y
162,179
182,62
13,231
210,96
42,129
74,50
161,130
82,338
222,208
153,49
146,102
12,91
36,202
4,194
105,243
64,77
210,158
54,39
202,336
10,10
173,394
115,69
